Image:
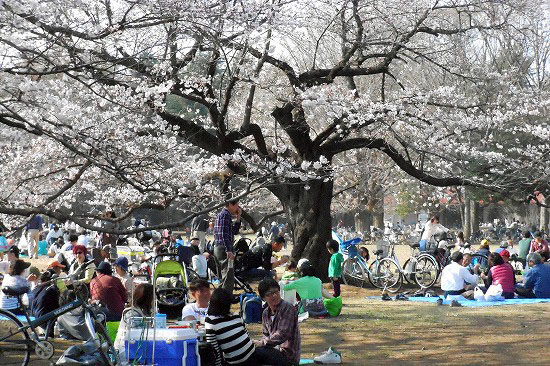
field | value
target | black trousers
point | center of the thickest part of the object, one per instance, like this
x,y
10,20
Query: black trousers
x,y
336,281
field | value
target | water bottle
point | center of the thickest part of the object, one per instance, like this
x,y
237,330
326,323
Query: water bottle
x,y
160,321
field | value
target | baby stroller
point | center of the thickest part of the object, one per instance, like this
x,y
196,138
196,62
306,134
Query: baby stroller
x,y
170,283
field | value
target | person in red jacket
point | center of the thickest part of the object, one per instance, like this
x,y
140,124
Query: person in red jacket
x,y
500,273
109,291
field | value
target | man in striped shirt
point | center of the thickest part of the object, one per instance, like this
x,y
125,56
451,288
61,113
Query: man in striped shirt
x,y
224,232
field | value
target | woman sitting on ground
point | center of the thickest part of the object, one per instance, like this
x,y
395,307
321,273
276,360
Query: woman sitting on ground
x,y
226,333
500,273
15,279
45,295
81,269
310,289
140,307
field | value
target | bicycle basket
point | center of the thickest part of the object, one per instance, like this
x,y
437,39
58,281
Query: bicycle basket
x,y
383,245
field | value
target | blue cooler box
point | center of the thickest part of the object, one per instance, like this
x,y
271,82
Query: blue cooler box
x,y
173,347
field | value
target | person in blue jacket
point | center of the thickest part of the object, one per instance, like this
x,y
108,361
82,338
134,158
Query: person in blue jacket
x,y
536,281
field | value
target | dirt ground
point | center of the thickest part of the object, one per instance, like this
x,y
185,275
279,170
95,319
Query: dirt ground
x,y
374,332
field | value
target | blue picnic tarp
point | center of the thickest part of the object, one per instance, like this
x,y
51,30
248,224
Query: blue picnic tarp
x,y
474,303
21,318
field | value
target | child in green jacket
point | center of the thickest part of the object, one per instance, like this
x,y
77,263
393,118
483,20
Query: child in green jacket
x,y
335,266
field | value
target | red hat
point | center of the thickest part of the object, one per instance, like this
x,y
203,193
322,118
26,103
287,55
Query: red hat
x,y
55,264
505,253
80,248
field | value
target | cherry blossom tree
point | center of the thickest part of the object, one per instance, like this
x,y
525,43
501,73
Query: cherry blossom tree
x,y
270,91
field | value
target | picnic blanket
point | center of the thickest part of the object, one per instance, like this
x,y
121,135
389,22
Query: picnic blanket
x,y
21,318
474,303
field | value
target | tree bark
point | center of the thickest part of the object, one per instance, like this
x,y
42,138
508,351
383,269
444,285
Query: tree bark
x,y
467,228
474,216
543,216
308,212
363,221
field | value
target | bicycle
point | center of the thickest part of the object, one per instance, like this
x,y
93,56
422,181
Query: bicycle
x,y
431,265
421,268
17,340
383,272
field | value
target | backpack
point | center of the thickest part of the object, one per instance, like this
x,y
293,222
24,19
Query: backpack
x,y
241,247
251,308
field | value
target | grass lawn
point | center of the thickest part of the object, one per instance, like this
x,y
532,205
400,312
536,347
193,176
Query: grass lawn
x,y
373,332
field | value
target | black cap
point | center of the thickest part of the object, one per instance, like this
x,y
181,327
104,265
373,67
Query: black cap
x,y
104,268
14,249
19,266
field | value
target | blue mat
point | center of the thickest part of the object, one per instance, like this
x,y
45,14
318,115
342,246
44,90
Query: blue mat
x,y
474,303
21,318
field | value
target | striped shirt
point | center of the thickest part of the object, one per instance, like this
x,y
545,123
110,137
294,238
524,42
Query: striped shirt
x,y
228,336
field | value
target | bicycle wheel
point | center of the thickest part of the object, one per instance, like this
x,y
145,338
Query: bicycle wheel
x,y
408,275
15,347
426,271
353,273
191,275
386,274
480,259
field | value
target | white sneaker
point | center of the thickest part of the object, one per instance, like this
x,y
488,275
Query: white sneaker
x,y
330,356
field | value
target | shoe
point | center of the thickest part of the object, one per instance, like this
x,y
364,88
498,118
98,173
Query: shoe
x,y
329,357
455,304
386,297
401,297
439,302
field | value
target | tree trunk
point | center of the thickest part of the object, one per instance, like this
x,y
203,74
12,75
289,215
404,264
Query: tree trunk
x,y
467,228
378,219
474,216
543,216
308,212
363,221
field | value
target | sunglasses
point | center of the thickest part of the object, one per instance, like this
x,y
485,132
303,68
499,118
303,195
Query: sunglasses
x,y
79,253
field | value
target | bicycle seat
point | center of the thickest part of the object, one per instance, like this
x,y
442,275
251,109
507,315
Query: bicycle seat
x,y
415,245
15,291
449,245
379,251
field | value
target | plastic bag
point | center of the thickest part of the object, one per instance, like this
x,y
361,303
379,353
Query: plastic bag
x,y
81,355
334,305
494,293
478,294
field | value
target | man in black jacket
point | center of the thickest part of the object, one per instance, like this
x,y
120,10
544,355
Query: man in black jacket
x,y
248,265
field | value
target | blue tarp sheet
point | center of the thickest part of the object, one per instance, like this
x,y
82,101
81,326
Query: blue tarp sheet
x,y
21,318
474,303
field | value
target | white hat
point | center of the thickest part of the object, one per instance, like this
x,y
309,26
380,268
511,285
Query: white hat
x,y
301,262
273,223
